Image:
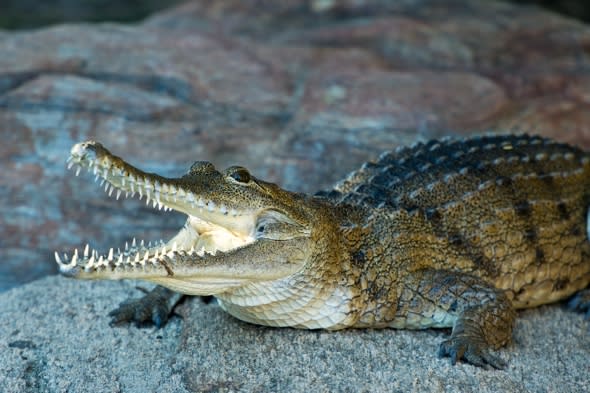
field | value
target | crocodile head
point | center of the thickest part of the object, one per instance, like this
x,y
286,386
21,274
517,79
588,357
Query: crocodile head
x,y
239,229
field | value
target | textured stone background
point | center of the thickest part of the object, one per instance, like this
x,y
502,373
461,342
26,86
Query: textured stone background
x,y
301,93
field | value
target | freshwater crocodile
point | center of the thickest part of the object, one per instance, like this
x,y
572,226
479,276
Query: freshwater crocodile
x,y
451,233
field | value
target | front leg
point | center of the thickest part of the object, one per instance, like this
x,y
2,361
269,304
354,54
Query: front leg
x,y
481,316
155,307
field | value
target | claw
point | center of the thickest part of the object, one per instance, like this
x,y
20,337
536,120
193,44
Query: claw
x,y
465,348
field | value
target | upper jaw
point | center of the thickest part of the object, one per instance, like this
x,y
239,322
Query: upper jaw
x,y
121,178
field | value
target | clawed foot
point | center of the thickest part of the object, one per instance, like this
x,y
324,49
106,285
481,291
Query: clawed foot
x,y
154,307
580,302
470,350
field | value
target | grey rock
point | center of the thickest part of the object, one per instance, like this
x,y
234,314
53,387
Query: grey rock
x,y
55,337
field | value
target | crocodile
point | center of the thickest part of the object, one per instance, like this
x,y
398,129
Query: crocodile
x,y
451,233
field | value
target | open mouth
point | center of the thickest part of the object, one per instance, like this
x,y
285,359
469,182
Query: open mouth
x,y
212,227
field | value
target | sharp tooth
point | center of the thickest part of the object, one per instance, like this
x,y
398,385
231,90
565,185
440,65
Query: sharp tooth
x,y
132,187
126,194
78,170
192,250
118,194
101,261
102,182
154,203
57,258
95,170
147,200
142,243
140,193
136,257
111,191
126,246
70,165
174,247
86,250
70,158
90,262
96,178
110,257
105,172
163,250
123,181
74,258
146,256
120,260
134,243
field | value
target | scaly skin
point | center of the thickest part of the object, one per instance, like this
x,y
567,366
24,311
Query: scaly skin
x,y
453,233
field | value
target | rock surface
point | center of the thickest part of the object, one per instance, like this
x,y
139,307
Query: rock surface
x,y
65,344
301,93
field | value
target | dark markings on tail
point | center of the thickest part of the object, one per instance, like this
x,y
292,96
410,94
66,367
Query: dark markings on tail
x,y
539,255
563,212
560,284
523,208
530,234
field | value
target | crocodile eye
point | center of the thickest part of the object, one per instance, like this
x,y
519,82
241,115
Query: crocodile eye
x,y
239,174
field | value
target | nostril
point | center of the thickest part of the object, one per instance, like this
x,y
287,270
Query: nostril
x,y
85,150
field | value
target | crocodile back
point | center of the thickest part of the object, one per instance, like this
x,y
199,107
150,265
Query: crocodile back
x,y
445,170
512,209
